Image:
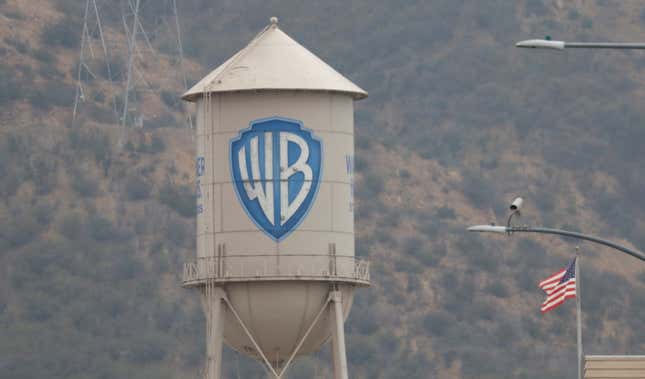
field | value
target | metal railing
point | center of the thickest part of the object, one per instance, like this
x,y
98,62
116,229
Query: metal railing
x,y
238,268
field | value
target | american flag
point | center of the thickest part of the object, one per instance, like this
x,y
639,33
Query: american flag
x,y
559,287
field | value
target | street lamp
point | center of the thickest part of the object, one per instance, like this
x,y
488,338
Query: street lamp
x,y
561,45
509,229
548,43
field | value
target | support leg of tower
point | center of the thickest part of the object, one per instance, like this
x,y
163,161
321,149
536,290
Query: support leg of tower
x,y
338,336
214,304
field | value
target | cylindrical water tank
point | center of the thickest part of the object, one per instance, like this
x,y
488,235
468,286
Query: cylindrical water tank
x,y
274,167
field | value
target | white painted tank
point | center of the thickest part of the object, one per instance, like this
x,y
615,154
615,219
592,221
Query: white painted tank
x,y
275,223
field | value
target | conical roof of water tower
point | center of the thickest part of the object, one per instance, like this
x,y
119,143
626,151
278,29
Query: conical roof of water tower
x,y
274,61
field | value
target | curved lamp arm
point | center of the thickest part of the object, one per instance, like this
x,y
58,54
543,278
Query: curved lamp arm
x,y
526,229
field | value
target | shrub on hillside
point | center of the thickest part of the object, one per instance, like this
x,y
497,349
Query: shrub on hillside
x,y
587,23
446,213
18,231
166,120
53,94
363,245
481,363
438,323
13,14
42,172
478,190
8,184
157,145
100,114
50,72
497,289
179,198
419,249
125,266
21,46
92,141
70,225
148,349
98,96
171,99
101,229
44,56
64,33
527,278
430,226
407,265
372,186
9,86
304,368
43,212
412,246
390,220
137,188
117,67
176,233
39,308
11,174
84,185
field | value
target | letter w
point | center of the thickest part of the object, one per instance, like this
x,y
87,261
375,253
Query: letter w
x,y
254,186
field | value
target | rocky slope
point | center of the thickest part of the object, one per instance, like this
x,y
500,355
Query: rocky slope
x,y
93,234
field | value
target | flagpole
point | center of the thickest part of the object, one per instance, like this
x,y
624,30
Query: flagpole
x,y
579,311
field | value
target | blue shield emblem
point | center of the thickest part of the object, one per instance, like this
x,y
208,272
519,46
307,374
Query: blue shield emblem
x,y
275,167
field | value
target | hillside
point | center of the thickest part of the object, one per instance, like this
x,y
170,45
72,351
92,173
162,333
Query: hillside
x,y
458,122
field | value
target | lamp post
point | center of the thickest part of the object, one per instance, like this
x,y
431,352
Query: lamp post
x,y
509,229
548,43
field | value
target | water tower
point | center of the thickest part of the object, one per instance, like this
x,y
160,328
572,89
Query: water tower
x,y
275,210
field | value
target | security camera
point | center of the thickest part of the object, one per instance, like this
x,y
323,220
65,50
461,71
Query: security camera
x,y
516,205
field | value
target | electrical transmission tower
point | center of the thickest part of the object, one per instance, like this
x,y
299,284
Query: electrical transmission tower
x,y
135,26
90,16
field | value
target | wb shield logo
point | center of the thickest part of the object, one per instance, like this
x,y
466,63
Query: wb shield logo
x,y
276,166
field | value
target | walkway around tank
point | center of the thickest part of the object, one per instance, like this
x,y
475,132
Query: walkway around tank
x,y
236,268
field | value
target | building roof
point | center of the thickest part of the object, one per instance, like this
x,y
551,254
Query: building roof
x,y
614,366
274,61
